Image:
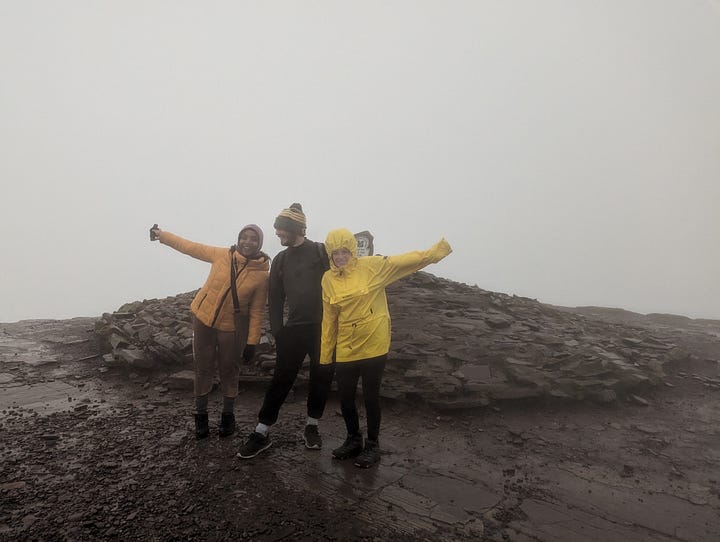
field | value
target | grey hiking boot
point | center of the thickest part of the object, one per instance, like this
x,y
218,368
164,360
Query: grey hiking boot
x,y
352,446
369,456
311,436
256,443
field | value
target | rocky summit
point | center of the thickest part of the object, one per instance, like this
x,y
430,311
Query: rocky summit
x,y
100,445
453,346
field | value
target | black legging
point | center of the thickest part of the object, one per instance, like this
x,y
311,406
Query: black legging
x,y
347,374
294,343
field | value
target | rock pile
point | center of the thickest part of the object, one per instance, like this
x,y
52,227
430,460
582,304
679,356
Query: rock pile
x,y
458,345
149,334
454,346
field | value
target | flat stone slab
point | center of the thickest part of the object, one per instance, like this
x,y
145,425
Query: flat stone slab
x,y
37,395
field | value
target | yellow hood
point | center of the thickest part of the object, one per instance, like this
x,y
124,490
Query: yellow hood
x,y
337,239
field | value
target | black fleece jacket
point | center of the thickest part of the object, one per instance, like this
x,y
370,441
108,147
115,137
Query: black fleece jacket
x,y
295,277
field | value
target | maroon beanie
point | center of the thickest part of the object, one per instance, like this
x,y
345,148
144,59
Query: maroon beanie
x,y
258,231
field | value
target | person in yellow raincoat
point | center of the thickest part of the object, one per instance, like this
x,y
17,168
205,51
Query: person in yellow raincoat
x,y
356,330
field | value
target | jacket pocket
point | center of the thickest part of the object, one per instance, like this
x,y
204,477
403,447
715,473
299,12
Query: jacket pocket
x,y
365,332
202,301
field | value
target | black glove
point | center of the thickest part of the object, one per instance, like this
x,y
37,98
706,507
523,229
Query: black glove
x,y
277,336
248,353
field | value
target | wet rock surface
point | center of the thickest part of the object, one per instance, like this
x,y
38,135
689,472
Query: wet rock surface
x,y
93,448
454,346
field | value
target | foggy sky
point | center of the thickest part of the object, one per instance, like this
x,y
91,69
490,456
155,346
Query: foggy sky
x,y
568,150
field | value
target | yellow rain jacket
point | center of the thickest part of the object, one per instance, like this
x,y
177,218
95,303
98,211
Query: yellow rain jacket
x,y
356,320
213,304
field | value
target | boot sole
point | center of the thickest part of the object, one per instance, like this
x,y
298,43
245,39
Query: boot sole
x,y
312,446
346,456
239,454
223,434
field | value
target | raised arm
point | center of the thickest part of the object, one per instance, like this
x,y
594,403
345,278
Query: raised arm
x,y
392,268
202,252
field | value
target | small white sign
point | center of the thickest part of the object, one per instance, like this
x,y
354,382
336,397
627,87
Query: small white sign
x,y
364,243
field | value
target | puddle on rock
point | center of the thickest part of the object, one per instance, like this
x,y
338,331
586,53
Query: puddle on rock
x,y
51,397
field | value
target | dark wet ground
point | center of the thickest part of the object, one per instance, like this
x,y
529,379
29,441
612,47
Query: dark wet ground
x,y
89,452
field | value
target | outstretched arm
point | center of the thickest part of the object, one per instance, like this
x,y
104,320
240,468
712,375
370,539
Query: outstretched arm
x,y
202,252
392,268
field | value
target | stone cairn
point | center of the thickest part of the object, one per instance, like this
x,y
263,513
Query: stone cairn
x,y
453,346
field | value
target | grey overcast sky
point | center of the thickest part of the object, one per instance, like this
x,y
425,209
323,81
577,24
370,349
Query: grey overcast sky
x,y
569,150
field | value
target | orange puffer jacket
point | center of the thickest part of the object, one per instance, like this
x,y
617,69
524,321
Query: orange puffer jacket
x,y
213,304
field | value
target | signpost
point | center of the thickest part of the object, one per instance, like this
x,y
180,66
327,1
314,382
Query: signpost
x,y
364,244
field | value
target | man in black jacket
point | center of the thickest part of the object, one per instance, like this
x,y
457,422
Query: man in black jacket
x,y
295,277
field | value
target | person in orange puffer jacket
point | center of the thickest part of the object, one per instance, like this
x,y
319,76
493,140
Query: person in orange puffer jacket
x,y
214,333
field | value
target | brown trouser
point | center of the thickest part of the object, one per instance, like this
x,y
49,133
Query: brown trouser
x,y
210,345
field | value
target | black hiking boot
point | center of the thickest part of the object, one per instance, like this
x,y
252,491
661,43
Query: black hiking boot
x,y
369,456
202,429
352,446
227,424
256,443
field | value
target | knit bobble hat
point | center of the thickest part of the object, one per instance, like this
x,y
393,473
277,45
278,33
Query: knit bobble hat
x,y
291,219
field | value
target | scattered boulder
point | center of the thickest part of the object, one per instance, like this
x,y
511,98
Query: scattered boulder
x,y
182,380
